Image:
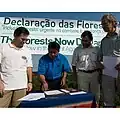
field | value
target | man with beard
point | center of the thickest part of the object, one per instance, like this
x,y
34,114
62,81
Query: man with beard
x,y
110,46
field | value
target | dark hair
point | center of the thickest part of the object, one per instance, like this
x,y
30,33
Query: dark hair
x,y
88,34
54,45
21,30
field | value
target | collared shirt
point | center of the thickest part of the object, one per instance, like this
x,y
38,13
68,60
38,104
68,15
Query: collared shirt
x,y
53,69
85,58
110,46
14,63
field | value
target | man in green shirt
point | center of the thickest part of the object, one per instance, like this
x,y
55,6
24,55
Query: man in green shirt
x,y
109,44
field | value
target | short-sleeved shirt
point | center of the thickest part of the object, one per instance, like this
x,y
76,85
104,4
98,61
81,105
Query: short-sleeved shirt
x,y
14,63
53,69
110,46
85,58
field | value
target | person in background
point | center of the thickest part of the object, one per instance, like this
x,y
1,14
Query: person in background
x,y
53,68
86,66
16,65
109,44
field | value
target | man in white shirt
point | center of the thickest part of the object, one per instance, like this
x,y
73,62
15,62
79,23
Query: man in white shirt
x,y
85,66
16,69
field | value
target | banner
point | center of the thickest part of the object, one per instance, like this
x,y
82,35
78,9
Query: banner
x,y
42,31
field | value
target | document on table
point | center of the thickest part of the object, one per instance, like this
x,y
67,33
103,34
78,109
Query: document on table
x,y
65,91
109,66
53,92
32,96
78,93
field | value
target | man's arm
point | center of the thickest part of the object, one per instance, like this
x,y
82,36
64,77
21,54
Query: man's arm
x,y
66,69
1,86
99,61
117,67
64,74
44,83
41,73
42,78
42,70
74,63
1,79
29,72
63,81
100,53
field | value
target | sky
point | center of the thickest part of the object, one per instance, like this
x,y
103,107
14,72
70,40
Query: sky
x,y
60,15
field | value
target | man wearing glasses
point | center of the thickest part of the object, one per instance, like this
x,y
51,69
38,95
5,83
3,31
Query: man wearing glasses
x,y
16,69
53,68
86,67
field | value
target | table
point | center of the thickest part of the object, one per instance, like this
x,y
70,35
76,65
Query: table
x,y
67,101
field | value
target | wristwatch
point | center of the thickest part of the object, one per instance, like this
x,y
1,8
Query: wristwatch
x,y
30,82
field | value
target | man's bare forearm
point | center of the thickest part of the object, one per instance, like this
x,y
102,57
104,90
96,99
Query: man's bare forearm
x,y
0,74
29,72
64,75
42,78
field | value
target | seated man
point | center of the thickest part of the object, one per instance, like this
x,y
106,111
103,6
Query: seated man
x,y
53,68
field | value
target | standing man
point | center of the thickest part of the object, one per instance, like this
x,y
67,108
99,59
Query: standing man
x,y
16,65
109,44
85,65
53,68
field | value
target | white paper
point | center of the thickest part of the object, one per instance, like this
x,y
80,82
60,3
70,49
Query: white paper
x,y
32,96
77,93
66,91
53,92
109,66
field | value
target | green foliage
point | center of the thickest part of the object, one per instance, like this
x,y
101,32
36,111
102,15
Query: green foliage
x,y
37,83
70,81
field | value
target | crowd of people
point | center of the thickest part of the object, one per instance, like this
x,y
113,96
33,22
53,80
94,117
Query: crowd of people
x,y
87,66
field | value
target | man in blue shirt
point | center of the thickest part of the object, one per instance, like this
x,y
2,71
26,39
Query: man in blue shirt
x,y
53,68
